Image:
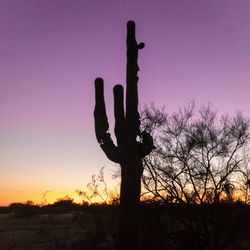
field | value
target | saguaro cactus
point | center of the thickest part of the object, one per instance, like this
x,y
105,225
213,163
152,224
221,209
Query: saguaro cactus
x,y
132,143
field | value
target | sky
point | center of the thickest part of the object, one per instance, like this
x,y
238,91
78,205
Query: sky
x,y
51,52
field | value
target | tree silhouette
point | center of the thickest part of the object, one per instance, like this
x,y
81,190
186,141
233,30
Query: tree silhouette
x,y
132,144
198,158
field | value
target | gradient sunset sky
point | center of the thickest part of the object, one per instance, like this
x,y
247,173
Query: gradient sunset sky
x,y
52,50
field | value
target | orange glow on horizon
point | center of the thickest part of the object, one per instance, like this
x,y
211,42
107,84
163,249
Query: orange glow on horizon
x,y
37,197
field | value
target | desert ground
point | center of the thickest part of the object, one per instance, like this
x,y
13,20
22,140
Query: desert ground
x,y
95,227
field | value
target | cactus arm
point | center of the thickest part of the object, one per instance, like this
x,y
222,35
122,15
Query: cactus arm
x,y
110,149
101,124
101,120
120,129
147,144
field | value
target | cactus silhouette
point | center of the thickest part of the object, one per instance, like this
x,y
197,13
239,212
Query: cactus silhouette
x,y
132,143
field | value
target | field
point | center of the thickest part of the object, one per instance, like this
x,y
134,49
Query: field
x,y
95,227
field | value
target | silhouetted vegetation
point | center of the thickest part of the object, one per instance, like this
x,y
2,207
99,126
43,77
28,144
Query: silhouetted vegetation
x,y
198,158
97,189
62,205
132,143
196,183
26,209
172,226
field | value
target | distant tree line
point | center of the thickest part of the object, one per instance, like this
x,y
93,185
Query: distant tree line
x,y
62,205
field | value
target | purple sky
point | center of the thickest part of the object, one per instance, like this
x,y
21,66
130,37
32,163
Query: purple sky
x,y
52,50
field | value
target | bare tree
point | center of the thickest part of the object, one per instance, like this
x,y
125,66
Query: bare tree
x,y
197,158
96,188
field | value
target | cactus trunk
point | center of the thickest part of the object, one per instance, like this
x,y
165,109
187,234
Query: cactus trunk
x,y
129,151
129,201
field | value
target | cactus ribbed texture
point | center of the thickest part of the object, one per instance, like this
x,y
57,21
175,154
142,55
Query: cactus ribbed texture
x,y
132,144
